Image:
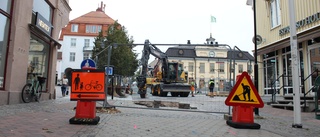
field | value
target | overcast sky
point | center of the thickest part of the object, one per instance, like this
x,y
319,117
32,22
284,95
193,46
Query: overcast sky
x,y
176,21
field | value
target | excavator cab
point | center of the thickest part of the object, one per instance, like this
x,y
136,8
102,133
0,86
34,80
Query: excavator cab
x,y
176,73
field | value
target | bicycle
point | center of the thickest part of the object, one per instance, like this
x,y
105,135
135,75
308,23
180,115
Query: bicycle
x,y
94,85
31,90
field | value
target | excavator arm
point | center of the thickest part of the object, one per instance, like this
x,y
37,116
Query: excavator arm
x,y
156,52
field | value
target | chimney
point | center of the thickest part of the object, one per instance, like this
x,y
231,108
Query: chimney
x,y
102,7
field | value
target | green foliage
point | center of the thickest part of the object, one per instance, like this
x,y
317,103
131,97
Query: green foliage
x,y
122,58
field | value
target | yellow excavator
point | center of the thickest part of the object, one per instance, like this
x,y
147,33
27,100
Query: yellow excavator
x,y
165,76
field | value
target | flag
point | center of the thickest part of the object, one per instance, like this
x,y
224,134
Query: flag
x,y
213,19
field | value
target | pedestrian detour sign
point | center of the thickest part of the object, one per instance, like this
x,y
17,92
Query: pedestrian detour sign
x,y
244,93
87,85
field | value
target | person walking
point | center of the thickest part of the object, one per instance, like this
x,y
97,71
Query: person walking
x,y
64,87
192,88
211,87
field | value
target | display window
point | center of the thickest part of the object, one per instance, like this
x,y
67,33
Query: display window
x,y
38,59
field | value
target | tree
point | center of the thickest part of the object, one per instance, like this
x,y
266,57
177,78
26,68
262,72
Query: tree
x,y
122,58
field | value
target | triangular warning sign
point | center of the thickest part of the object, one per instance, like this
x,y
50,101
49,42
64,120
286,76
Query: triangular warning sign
x,y
244,93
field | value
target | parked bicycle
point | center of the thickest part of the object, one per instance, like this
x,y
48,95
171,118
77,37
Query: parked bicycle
x,y
93,85
32,91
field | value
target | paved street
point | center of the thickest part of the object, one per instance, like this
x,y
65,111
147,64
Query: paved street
x,y
51,119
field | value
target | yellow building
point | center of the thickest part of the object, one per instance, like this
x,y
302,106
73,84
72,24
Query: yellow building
x,y
212,61
274,52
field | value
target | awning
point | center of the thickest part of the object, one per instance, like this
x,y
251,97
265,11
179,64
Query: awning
x,y
35,30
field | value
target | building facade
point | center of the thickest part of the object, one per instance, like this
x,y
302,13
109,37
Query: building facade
x,y
274,51
29,30
78,39
212,61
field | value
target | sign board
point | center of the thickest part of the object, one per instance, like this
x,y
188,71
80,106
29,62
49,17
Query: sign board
x,y
244,93
43,24
87,85
88,63
109,71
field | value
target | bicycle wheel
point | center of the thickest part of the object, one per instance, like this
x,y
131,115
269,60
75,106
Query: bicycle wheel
x,y
99,87
38,94
27,93
88,87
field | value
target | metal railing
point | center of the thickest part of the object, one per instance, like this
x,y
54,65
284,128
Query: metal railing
x,y
311,89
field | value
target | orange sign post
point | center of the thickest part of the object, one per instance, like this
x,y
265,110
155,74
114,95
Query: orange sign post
x,y
243,97
87,87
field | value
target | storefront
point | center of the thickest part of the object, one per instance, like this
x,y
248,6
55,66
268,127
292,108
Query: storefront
x,y
27,45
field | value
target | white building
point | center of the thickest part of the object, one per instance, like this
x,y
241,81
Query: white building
x,y
77,39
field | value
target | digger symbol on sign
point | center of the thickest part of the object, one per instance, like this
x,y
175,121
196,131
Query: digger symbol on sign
x,y
246,91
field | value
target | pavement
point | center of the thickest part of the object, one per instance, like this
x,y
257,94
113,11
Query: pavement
x,y
51,119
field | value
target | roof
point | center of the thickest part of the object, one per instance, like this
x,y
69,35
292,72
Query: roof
x,y
189,52
94,17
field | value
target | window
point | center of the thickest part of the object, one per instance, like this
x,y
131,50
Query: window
x,y
275,13
74,27
5,5
202,68
86,42
240,68
38,57
313,52
212,68
4,30
73,42
190,67
86,56
249,68
42,7
72,56
221,67
93,28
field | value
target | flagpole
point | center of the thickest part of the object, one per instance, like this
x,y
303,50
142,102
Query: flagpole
x,y
210,25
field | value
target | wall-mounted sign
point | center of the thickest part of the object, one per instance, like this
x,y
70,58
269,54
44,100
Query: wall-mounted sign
x,y
301,23
43,24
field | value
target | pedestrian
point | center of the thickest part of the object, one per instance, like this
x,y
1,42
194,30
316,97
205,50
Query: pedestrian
x,y
192,88
64,87
211,87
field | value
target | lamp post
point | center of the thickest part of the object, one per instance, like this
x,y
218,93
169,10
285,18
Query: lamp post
x,y
256,110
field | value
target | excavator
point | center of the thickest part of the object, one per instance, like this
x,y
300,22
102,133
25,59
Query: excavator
x,y
165,76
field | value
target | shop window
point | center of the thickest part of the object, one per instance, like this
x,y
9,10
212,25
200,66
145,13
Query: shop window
x,y
38,59
73,42
74,27
275,13
72,56
86,42
4,29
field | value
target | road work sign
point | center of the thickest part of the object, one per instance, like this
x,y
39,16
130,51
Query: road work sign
x,y
244,93
87,85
